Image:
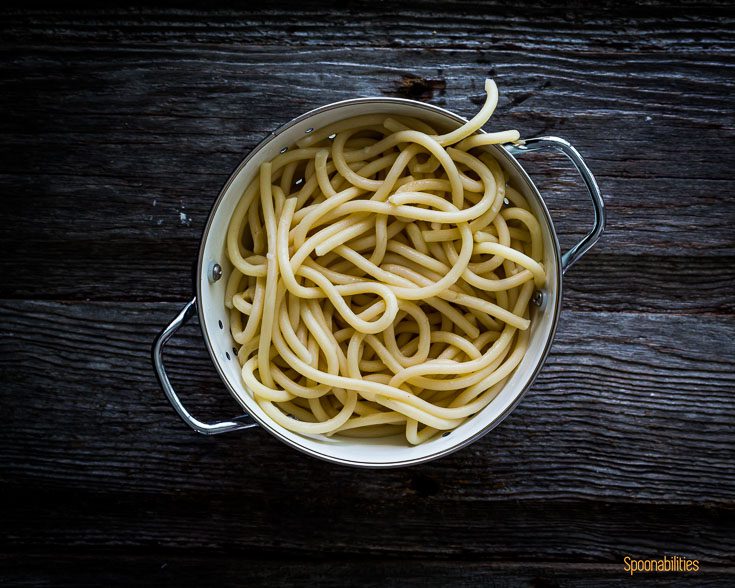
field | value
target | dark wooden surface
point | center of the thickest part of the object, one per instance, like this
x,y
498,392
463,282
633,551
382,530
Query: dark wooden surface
x,y
117,128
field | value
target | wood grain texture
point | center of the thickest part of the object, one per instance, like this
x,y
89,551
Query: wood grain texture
x,y
141,272
90,570
119,124
429,23
584,429
149,177
142,194
214,523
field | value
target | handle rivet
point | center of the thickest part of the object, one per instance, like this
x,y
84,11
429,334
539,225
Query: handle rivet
x,y
215,273
538,298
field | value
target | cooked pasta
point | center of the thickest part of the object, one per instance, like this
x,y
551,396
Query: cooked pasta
x,y
382,273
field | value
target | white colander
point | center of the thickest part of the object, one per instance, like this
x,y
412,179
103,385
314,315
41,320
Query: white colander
x,y
213,269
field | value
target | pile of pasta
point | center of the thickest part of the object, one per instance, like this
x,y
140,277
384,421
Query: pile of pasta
x,y
382,277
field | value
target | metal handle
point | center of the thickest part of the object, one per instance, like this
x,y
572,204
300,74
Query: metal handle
x,y
572,256
204,428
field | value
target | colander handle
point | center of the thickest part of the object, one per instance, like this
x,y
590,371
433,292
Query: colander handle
x,y
572,256
244,421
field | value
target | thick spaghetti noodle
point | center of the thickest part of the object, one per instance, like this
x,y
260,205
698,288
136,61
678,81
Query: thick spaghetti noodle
x,y
381,278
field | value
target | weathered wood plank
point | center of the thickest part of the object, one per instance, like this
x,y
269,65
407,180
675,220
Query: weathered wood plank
x,y
139,210
120,270
623,398
94,207
76,570
433,24
652,284
261,520
136,183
